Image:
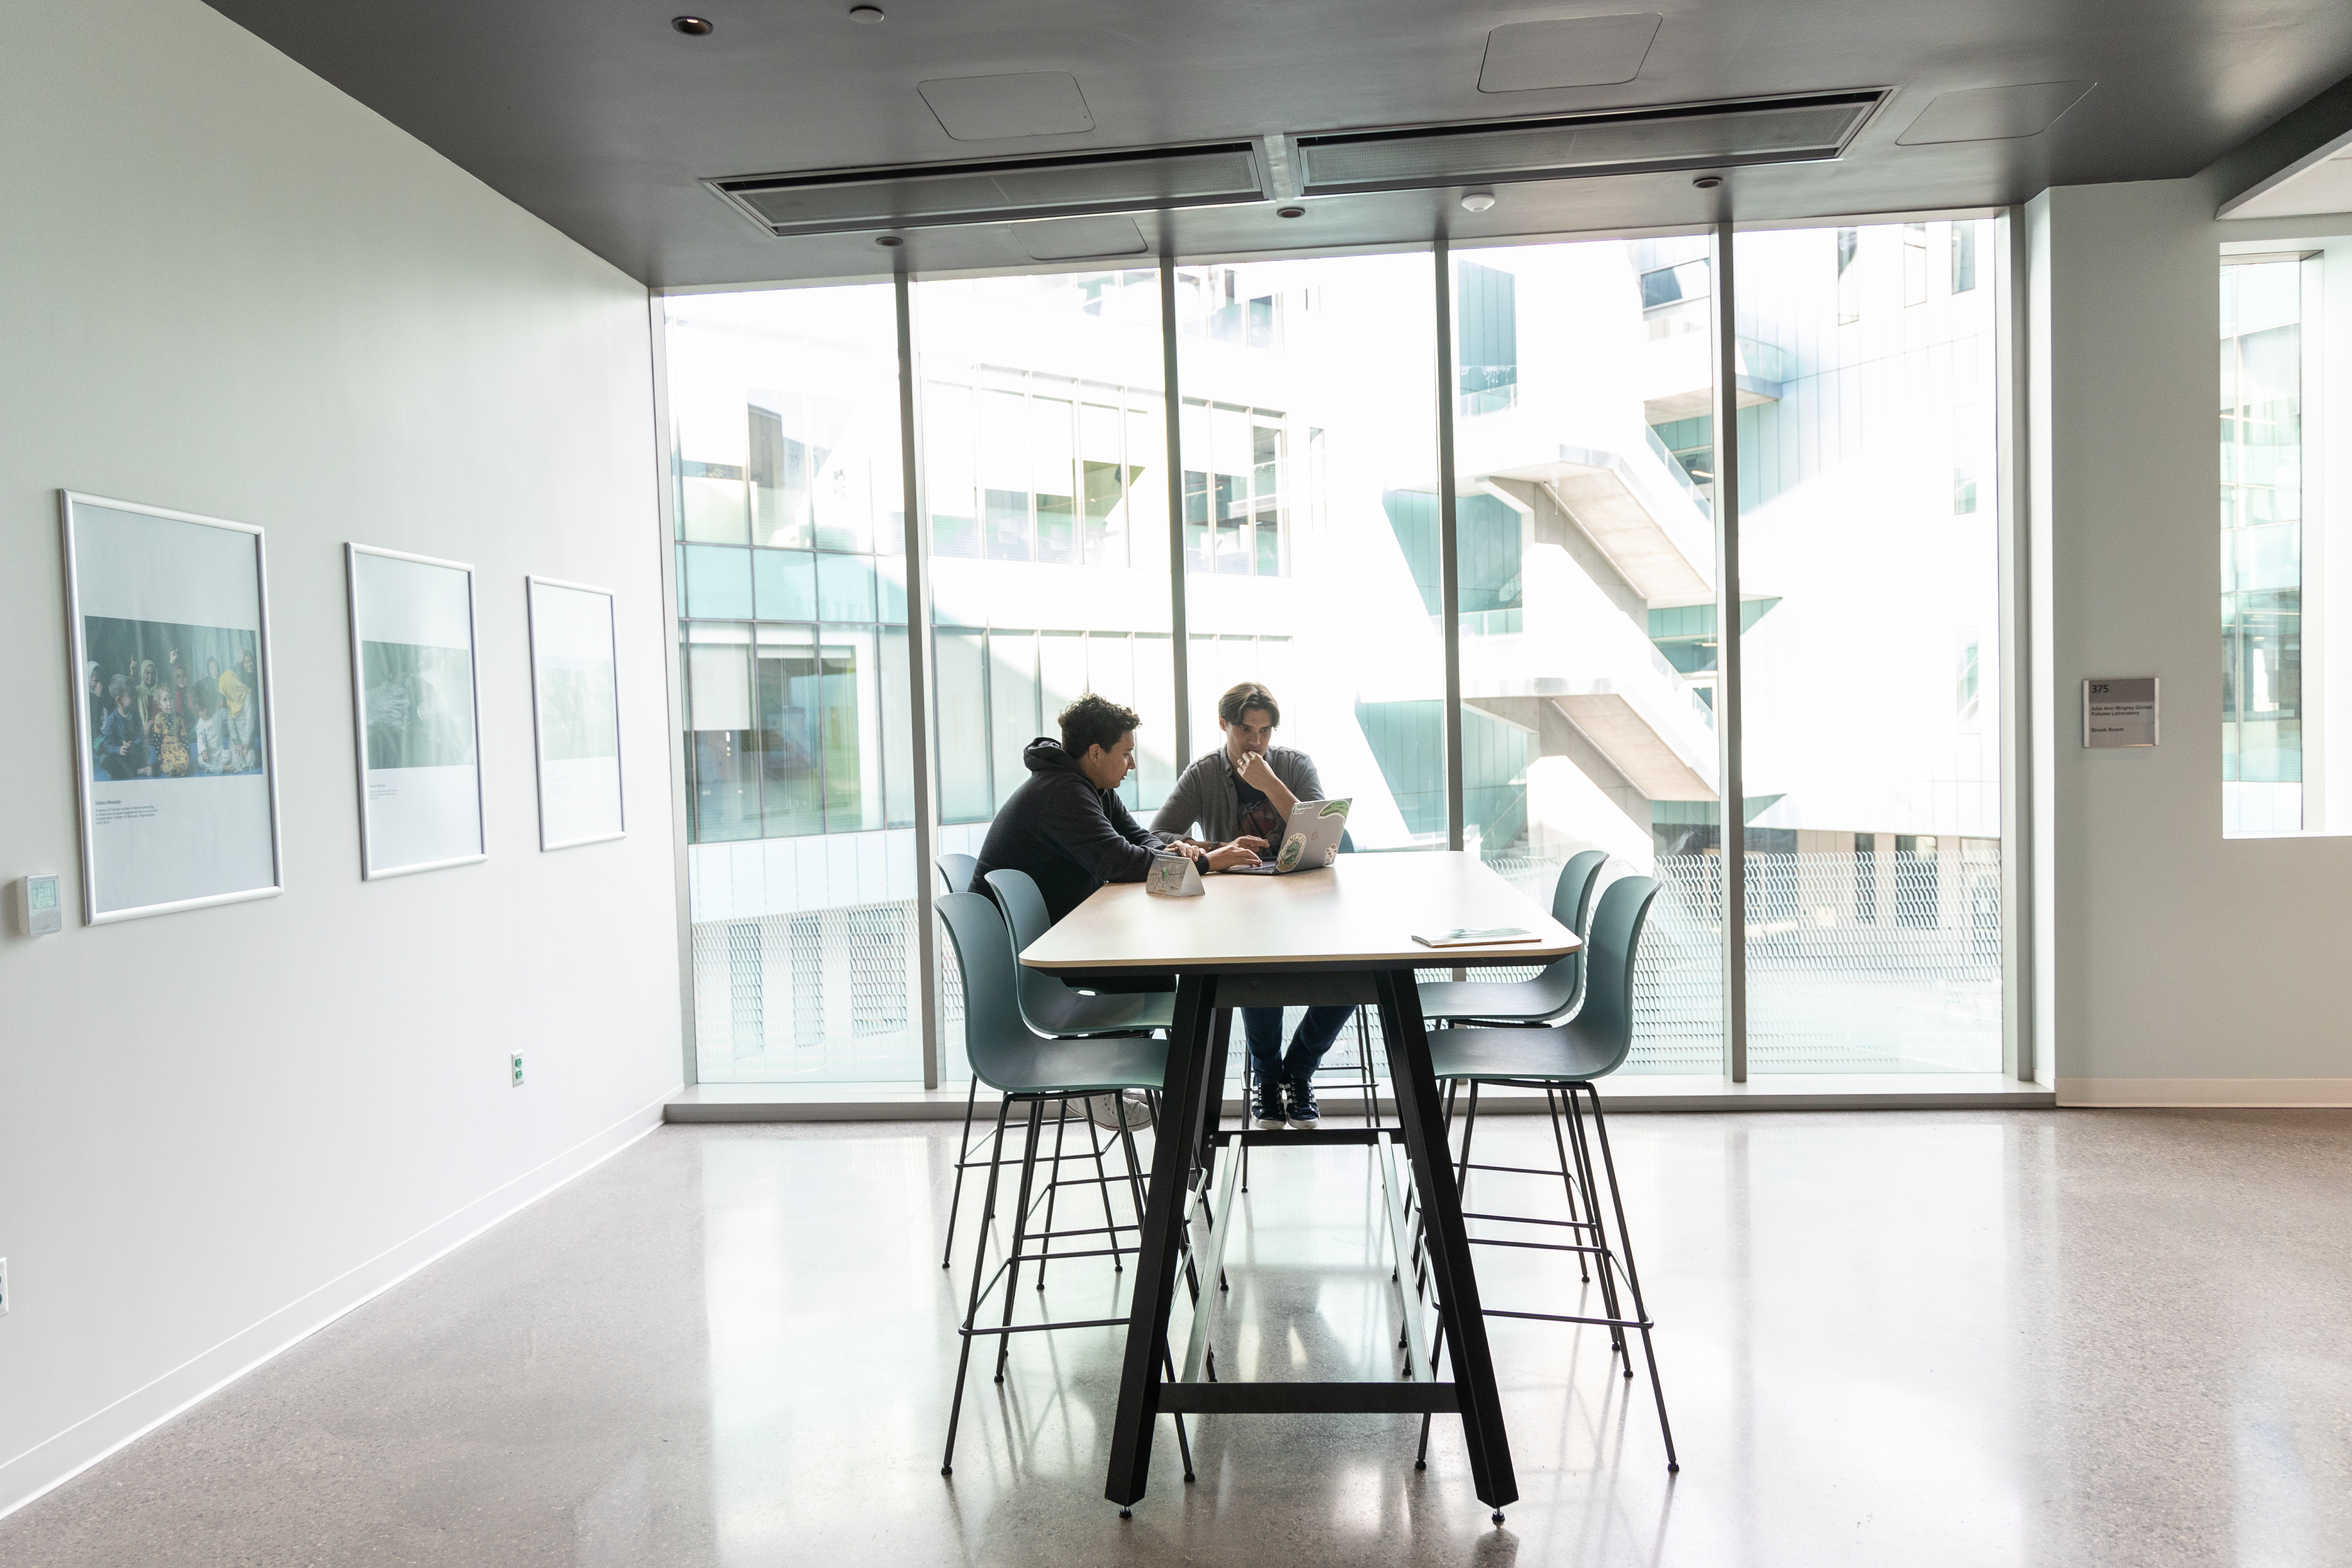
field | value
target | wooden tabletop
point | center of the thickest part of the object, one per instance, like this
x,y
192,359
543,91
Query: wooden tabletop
x,y
1362,913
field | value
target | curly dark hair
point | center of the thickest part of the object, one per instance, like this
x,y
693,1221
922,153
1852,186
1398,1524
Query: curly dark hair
x,y
1249,694
1094,721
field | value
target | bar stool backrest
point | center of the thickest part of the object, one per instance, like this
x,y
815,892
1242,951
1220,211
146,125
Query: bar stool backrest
x,y
997,1043
1046,1002
1606,1021
956,871
1571,900
1572,904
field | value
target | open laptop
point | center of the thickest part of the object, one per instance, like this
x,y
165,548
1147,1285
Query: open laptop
x,y
1312,842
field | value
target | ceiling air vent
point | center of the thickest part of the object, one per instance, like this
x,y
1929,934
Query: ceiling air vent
x,y
929,195
1580,146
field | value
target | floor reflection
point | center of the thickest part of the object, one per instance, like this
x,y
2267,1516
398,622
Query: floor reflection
x,y
2110,1338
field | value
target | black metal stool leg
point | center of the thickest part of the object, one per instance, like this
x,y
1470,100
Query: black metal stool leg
x,y
1020,1232
963,1155
1551,1106
979,1266
1102,1184
1632,1275
1585,1174
1054,1186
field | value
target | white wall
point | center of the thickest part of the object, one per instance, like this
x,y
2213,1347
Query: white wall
x,y
227,289
2188,968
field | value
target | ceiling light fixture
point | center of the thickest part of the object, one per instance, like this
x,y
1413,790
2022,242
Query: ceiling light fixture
x,y
869,15
1290,212
1001,190
1708,181
892,241
1480,155
1477,201
694,26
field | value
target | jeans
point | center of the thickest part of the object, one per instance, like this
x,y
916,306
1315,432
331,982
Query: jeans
x,y
1263,1026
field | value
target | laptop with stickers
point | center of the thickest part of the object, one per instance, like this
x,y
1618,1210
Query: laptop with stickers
x,y
1312,842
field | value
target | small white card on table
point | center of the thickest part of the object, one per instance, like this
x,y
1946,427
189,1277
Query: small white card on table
x,y
1173,876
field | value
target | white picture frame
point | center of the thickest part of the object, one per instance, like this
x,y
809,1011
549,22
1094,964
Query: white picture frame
x,y
419,757
184,816
575,713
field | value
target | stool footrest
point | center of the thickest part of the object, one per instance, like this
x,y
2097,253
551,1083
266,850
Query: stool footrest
x,y
1307,1399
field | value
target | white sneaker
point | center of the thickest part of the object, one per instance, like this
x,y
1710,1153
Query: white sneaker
x,y
1125,1108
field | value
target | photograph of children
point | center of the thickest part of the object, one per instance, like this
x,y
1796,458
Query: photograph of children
x,y
153,717
419,704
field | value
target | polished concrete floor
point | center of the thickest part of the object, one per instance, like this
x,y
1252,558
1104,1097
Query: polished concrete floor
x,y
1910,1338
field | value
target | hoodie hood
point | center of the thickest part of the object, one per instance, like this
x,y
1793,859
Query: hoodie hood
x,y
1044,756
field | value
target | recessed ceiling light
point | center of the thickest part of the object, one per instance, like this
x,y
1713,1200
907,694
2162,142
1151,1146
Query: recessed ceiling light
x,y
869,15
1708,181
891,240
1290,212
1477,201
693,27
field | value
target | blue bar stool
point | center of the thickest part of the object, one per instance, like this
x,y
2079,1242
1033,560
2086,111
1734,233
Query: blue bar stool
x,y
1563,1062
1030,1072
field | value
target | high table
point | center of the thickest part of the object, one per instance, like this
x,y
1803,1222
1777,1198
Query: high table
x,y
1341,935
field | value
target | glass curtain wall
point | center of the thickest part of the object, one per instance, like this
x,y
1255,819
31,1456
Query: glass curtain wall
x,y
2261,545
1310,528
1582,383
1310,522
792,648
1870,583
1044,468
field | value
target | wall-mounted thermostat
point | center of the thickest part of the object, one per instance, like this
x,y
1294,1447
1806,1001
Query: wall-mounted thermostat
x,y
39,912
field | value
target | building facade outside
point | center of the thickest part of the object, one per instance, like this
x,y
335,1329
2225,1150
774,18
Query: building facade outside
x,y
1307,475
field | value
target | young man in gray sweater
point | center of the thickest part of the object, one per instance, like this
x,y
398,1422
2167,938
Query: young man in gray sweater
x,y
1244,792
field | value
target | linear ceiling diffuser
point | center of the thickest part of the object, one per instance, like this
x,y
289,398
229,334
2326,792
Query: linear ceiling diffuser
x,y
1561,147
938,195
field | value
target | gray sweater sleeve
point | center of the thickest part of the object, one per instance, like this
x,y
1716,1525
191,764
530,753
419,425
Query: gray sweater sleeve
x,y
1301,777
1185,806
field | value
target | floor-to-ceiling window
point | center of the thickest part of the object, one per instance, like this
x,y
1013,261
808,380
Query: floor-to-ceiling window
x,y
2261,544
1586,571
793,644
1045,468
1310,522
1870,526
1304,504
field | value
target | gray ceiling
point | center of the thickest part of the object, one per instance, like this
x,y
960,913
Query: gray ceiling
x,y
600,118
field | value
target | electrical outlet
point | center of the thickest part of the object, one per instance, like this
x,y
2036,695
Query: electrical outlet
x,y
514,1065
4,1287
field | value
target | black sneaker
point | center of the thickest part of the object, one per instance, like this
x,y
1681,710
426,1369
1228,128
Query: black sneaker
x,y
1304,1112
1265,1105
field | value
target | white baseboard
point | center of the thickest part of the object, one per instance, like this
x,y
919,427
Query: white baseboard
x,y
2247,1093
55,1460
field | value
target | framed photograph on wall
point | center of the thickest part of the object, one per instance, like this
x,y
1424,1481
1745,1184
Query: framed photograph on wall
x,y
414,690
175,710
575,713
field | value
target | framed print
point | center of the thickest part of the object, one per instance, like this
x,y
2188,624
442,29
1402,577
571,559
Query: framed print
x,y
174,707
414,690
575,713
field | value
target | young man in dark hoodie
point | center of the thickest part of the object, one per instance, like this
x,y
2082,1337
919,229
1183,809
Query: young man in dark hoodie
x,y
1067,827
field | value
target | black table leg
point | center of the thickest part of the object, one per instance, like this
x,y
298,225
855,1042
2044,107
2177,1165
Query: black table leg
x,y
1420,1114
1156,1258
1212,1101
